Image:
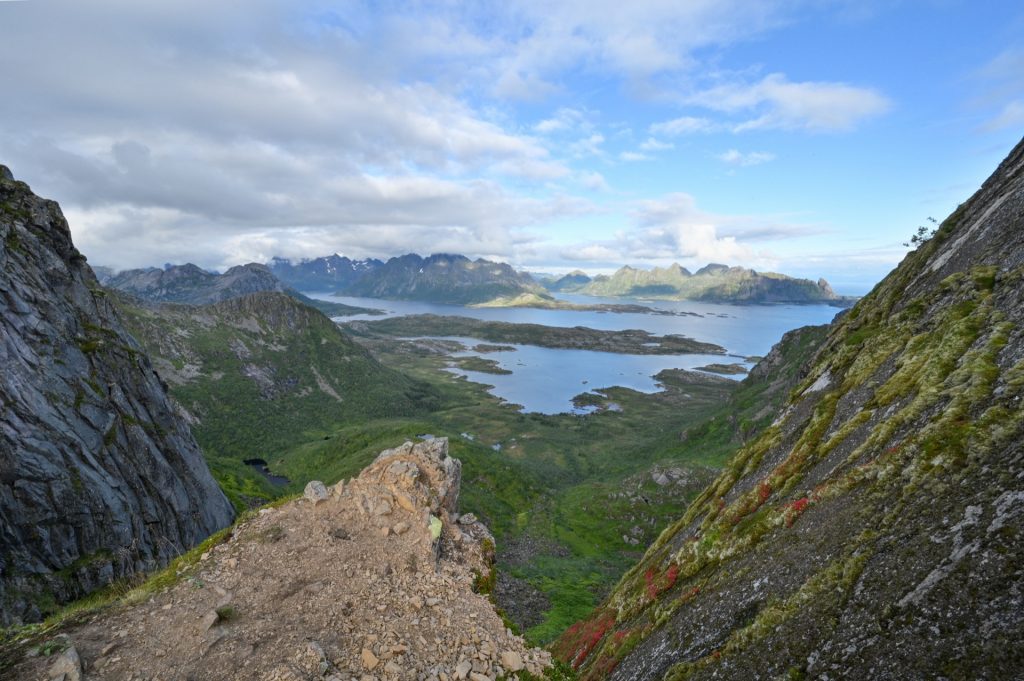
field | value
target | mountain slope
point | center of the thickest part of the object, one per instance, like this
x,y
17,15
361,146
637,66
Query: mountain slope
x,y
189,285
442,278
875,529
712,283
101,476
264,372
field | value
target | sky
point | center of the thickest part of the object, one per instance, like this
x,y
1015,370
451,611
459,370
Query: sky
x,y
806,137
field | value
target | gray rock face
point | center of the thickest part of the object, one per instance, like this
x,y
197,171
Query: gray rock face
x,y
99,475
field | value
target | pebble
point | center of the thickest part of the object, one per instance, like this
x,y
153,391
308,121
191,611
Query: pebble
x,y
369,659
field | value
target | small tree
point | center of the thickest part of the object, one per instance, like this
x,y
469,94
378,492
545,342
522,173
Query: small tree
x,y
923,233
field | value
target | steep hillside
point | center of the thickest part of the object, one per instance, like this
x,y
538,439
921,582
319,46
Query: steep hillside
x,y
874,530
441,278
101,477
712,283
264,372
329,273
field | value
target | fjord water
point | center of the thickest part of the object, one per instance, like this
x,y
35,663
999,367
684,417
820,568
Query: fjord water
x,y
546,379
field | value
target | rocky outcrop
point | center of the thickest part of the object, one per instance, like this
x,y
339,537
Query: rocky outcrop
x,y
874,529
369,578
101,478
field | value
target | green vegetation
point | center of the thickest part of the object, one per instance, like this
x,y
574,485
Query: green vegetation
x,y
572,499
262,373
630,341
481,364
544,301
725,369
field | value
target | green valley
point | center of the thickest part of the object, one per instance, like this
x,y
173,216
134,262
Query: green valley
x,y
572,499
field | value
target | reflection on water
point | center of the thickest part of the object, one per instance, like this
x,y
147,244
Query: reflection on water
x,y
546,379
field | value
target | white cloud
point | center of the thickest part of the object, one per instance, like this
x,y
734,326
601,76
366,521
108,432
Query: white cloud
x,y
778,103
651,144
594,181
588,146
1010,116
684,125
633,156
736,158
163,138
1001,83
634,39
563,119
674,229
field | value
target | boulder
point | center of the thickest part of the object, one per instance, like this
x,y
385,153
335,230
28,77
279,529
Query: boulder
x,y
316,492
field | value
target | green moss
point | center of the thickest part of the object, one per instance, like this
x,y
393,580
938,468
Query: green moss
x,y
110,436
12,241
90,346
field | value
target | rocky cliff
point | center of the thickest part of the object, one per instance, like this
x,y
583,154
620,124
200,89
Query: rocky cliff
x,y
373,578
874,530
101,478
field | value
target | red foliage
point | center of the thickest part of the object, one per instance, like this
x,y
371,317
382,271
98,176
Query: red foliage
x,y
764,490
656,586
649,585
670,576
579,640
795,508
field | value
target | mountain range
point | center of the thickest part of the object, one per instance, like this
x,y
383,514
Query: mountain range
x,y
457,280
712,283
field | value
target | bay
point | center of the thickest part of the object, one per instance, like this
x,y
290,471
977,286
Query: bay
x,y
546,379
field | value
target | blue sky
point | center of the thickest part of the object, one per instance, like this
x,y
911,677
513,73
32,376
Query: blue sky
x,y
809,138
